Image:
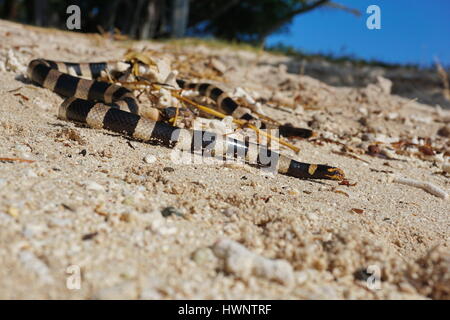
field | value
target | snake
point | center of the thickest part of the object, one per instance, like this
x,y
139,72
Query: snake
x,y
103,105
230,107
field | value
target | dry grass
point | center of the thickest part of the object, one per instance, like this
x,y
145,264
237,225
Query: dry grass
x,y
445,82
213,43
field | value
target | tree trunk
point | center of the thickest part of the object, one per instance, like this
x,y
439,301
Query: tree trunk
x,y
163,23
180,14
11,9
136,20
110,14
41,12
126,10
148,29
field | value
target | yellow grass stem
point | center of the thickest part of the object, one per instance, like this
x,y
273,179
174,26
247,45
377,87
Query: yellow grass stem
x,y
237,121
16,159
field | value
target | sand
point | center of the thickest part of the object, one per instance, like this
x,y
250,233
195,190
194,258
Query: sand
x,y
88,218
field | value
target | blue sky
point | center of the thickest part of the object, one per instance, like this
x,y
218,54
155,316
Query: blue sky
x,y
412,31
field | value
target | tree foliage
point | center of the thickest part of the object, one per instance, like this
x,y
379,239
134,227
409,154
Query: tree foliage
x,y
137,18
237,20
246,20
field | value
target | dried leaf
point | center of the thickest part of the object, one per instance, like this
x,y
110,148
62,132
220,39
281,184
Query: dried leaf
x,y
17,159
427,150
347,183
374,150
22,96
341,192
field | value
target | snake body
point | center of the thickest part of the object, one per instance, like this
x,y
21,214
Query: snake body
x,y
230,107
103,105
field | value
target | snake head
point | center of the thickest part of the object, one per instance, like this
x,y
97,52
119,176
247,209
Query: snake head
x,y
320,171
335,174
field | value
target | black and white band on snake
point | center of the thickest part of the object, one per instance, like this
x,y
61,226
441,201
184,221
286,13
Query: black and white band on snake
x,y
230,107
107,106
54,76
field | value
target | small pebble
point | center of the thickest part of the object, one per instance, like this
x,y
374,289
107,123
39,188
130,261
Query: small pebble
x,y
166,212
58,222
22,148
157,224
30,173
44,105
89,236
420,119
392,116
311,216
36,265
13,212
34,230
244,263
229,212
218,65
444,131
384,84
203,256
363,110
149,159
94,186
445,168
129,201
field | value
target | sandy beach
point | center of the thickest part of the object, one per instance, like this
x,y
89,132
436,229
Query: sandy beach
x,y
94,215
